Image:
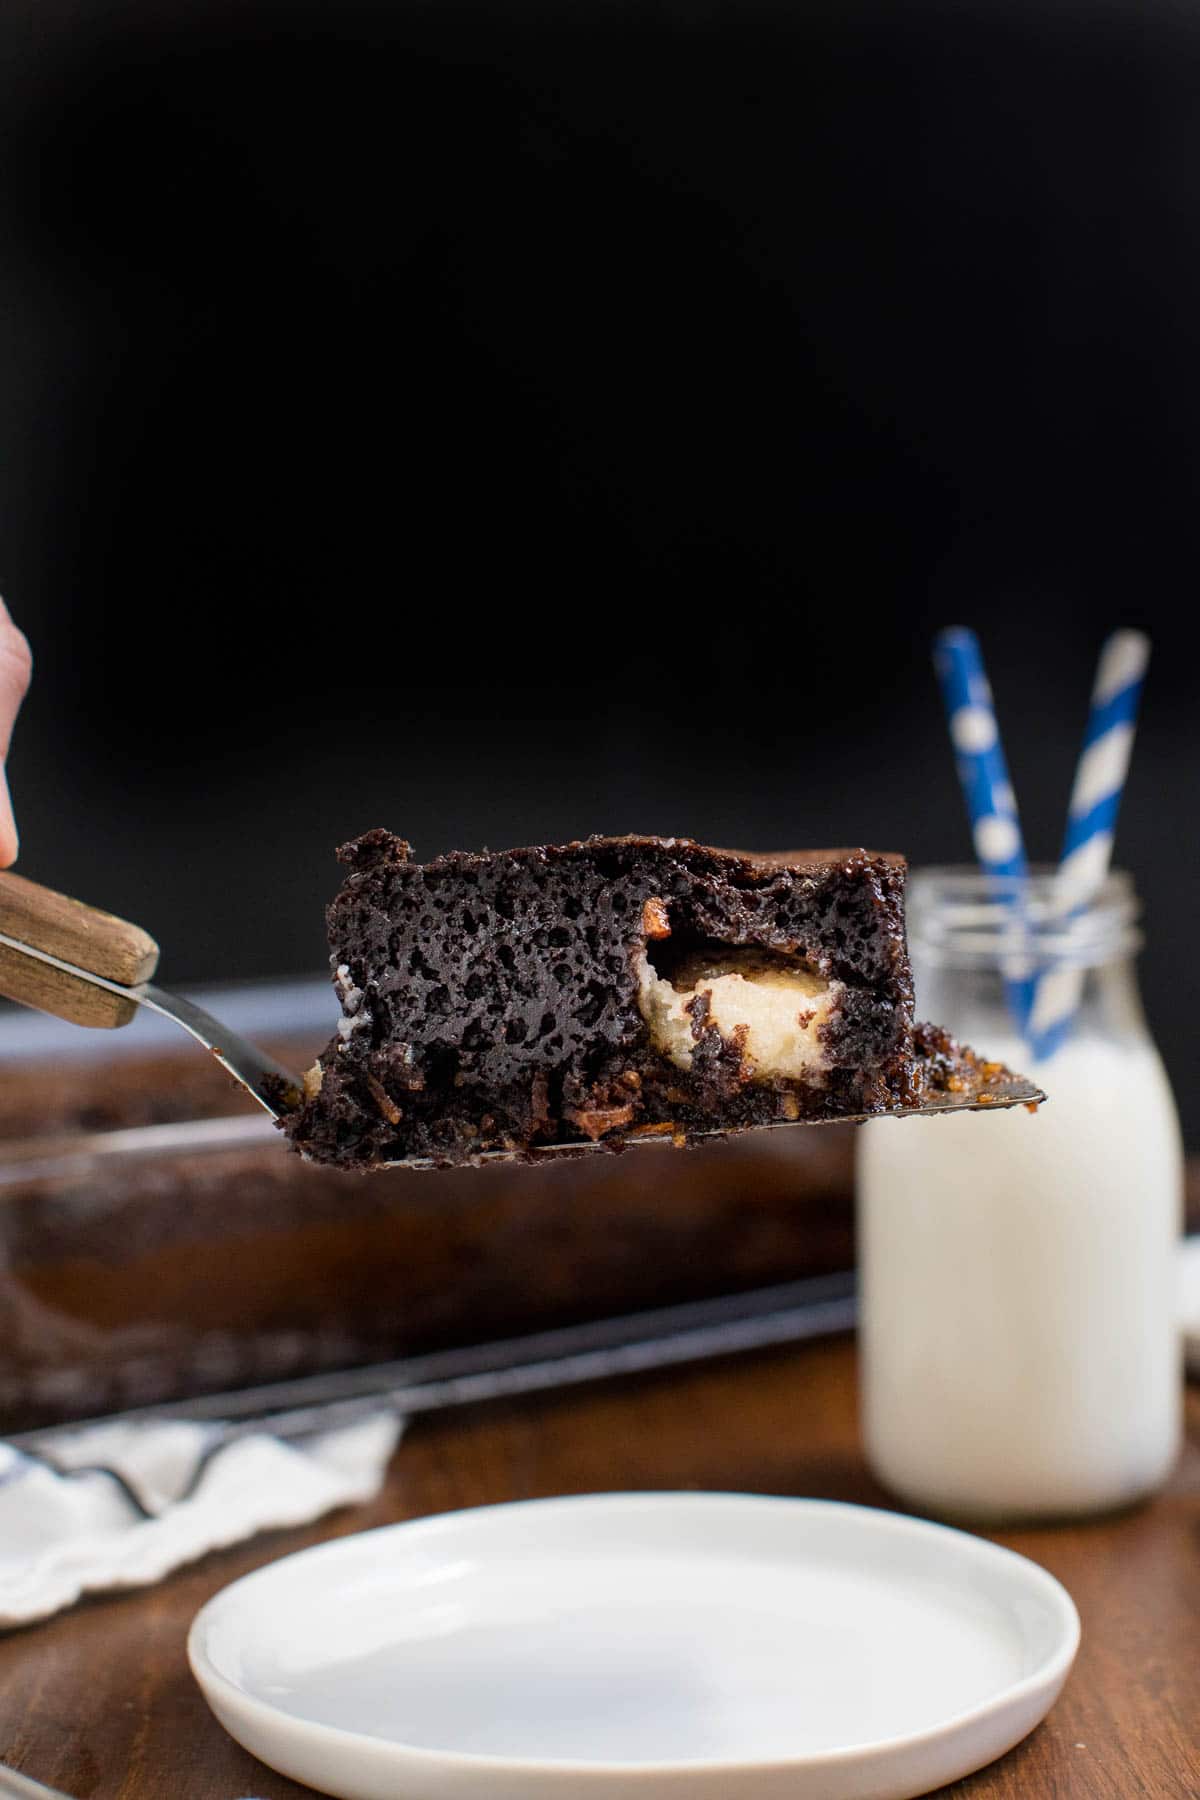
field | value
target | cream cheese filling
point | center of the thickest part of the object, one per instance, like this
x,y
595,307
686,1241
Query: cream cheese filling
x,y
354,1014
776,1009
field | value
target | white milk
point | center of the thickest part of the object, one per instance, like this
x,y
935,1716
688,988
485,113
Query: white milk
x,y
1020,1349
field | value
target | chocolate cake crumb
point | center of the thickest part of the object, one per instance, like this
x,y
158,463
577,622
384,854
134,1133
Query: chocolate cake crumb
x,y
608,988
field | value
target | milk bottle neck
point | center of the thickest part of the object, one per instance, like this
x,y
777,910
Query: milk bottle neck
x,y
972,938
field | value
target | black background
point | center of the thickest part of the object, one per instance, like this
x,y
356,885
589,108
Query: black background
x,y
507,422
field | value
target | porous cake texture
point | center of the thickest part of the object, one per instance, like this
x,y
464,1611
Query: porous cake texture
x,y
599,990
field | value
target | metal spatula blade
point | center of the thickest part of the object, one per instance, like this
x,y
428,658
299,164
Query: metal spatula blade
x,y
1015,1092
90,968
276,1089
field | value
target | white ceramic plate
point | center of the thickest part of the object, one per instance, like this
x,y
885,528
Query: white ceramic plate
x,y
696,1646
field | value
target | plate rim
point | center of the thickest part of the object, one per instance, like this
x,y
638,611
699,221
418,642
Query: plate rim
x,y
1048,1676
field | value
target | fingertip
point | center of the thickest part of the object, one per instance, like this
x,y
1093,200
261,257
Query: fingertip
x,y
16,655
16,672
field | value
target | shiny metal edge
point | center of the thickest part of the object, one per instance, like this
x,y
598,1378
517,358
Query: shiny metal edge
x,y
564,1356
1017,1092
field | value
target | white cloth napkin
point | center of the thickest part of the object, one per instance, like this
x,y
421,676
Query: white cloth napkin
x,y
68,1528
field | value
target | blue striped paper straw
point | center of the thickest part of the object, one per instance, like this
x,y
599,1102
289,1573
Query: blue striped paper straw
x,y
983,773
1103,766
1092,817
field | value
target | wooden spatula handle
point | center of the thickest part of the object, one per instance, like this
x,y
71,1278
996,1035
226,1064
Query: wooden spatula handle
x,y
78,934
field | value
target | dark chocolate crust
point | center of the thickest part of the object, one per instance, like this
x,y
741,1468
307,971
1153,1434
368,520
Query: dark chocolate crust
x,y
490,1001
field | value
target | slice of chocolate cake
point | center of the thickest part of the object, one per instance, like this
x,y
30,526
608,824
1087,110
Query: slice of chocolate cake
x,y
604,990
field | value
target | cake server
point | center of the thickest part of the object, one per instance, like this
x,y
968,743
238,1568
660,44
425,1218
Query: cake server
x,y
88,967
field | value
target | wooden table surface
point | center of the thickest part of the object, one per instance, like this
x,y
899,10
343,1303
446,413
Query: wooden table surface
x,y
100,1703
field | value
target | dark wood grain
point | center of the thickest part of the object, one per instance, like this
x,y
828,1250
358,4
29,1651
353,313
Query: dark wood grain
x,y
100,1702
78,934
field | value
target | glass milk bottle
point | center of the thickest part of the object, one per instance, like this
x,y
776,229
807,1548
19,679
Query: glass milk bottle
x,y
1020,1349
